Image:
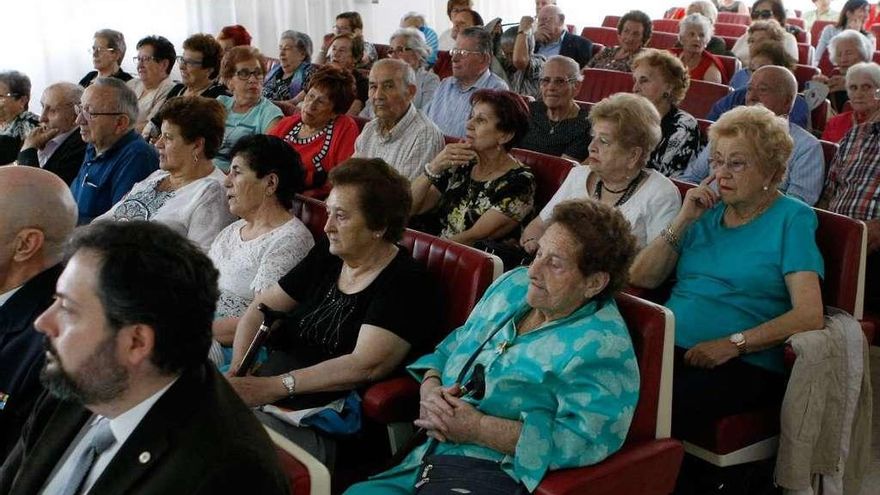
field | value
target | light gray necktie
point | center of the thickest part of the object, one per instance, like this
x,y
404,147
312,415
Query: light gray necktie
x,y
99,439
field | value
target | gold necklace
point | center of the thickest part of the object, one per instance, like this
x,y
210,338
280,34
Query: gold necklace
x,y
751,216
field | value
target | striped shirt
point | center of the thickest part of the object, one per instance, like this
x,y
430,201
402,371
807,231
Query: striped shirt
x,y
451,105
853,184
411,143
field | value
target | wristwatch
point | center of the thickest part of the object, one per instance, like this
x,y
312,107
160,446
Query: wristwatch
x,y
739,340
289,383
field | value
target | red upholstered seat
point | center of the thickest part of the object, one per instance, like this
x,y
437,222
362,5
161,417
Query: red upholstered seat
x,y
312,213
805,53
804,73
816,30
801,37
382,50
649,461
735,30
361,122
605,35
819,116
665,25
729,41
829,149
550,171
701,96
306,475
731,65
796,21
875,30
443,64
611,21
600,83
663,41
733,18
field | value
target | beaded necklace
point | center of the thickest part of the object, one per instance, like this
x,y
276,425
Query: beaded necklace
x,y
627,191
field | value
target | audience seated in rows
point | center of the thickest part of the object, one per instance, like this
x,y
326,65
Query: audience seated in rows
x,y
625,128
322,134
199,71
862,84
247,110
694,33
633,33
129,373
349,23
823,12
760,54
416,20
450,105
408,45
267,241
663,79
360,304
155,59
187,192
475,190
845,50
799,112
56,145
400,135
345,51
762,27
557,124
775,88
108,53
287,81
555,322
38,217
553,38
716,45
15,94
747,273
116,156
852,16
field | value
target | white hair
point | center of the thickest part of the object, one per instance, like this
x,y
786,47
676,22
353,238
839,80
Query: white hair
x,y
706,8
870,69
856,37
696,20
415,41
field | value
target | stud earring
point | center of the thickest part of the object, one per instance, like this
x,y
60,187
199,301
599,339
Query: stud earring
x,y
766,187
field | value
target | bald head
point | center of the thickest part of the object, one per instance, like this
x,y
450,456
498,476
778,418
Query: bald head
x,y
774,87
33,198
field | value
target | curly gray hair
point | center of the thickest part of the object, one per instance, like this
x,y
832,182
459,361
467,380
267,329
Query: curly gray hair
x,y
415,41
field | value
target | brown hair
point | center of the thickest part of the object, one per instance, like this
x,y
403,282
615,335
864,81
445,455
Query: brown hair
x,y
671,68
357,45
237,55
210,49
383,194
197,117
338,84
511,110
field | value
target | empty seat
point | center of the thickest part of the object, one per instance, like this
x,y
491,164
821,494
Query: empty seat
x,y
701,96
734,30
600,83
605,35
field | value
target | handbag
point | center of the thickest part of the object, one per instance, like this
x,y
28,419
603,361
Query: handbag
x,y
445,474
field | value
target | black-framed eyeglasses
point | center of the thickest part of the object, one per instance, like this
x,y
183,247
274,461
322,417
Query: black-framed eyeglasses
x,y
762,14
244,74
139,59
189,62
88,115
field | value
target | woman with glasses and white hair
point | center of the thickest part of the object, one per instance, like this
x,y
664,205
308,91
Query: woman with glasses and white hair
x,y
862,86
694,33
288,79
108,52
409,45
247,111
558,126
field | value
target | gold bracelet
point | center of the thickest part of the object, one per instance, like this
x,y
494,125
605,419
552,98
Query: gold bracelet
x,y
671,238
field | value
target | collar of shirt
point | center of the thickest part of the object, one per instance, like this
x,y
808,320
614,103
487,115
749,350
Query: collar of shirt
x,y
124,424
479,83
92,153
399,128
44,153
8,295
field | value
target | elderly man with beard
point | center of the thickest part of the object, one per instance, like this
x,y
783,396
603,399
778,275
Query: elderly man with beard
x,y
132,403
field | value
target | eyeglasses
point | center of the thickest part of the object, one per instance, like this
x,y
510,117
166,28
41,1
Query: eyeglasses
x,y
399,49
735,166
762,14
138,60
245,74
188,62
88,115
95,50
461,52
556,81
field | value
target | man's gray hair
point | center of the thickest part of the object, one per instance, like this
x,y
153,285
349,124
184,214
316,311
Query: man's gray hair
x,y
854,36
409,75
415,41
115,40
71,93
484,39
301,41
413,15
573,69
18,83
125,99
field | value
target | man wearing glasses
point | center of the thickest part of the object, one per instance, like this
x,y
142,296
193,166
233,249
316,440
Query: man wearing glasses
x,y
155,59
450,106
775,88
116,156
56,145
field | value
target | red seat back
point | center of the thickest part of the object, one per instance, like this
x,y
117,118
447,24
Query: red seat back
x,y
730,64
816,30
663,41
451,139
701,96
875,29
796,21
734,30
829,149
605,35
674,13
734,18
382,50
704,131
729,41
611,21
550,172
296,473
360,121
840,241
443,65
600,83
819,116
805,53
666,25
312,213
804,73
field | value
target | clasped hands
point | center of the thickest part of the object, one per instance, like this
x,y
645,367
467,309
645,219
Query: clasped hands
x,y
445,416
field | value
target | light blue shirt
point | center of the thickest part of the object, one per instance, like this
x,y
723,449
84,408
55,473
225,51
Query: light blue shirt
x,y
450,106
550,49
803,177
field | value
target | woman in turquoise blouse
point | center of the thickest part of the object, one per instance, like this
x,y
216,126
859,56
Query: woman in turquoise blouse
x,y
747,272
561,378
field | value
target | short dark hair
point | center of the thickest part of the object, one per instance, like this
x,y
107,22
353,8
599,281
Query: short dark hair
x,y
237,33
271,155
162,49
604,238
850,6
357,45
383,194
210,49
775,6
511,110
451,4
640,17
151,275
476,18
354,18
338,84
197,117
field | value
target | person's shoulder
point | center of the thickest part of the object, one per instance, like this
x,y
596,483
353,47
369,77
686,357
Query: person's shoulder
x,y
345,121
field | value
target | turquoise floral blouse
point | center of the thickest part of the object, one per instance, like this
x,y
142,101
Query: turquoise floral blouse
x,y
573,383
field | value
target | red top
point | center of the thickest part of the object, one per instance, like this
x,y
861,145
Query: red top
x,y
707,60
838,126
321,152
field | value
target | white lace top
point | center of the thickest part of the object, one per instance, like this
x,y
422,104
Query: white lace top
x,y
247,267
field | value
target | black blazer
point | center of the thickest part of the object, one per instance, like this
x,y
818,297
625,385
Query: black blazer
x,y
198,438
22,353
66,160
576,47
